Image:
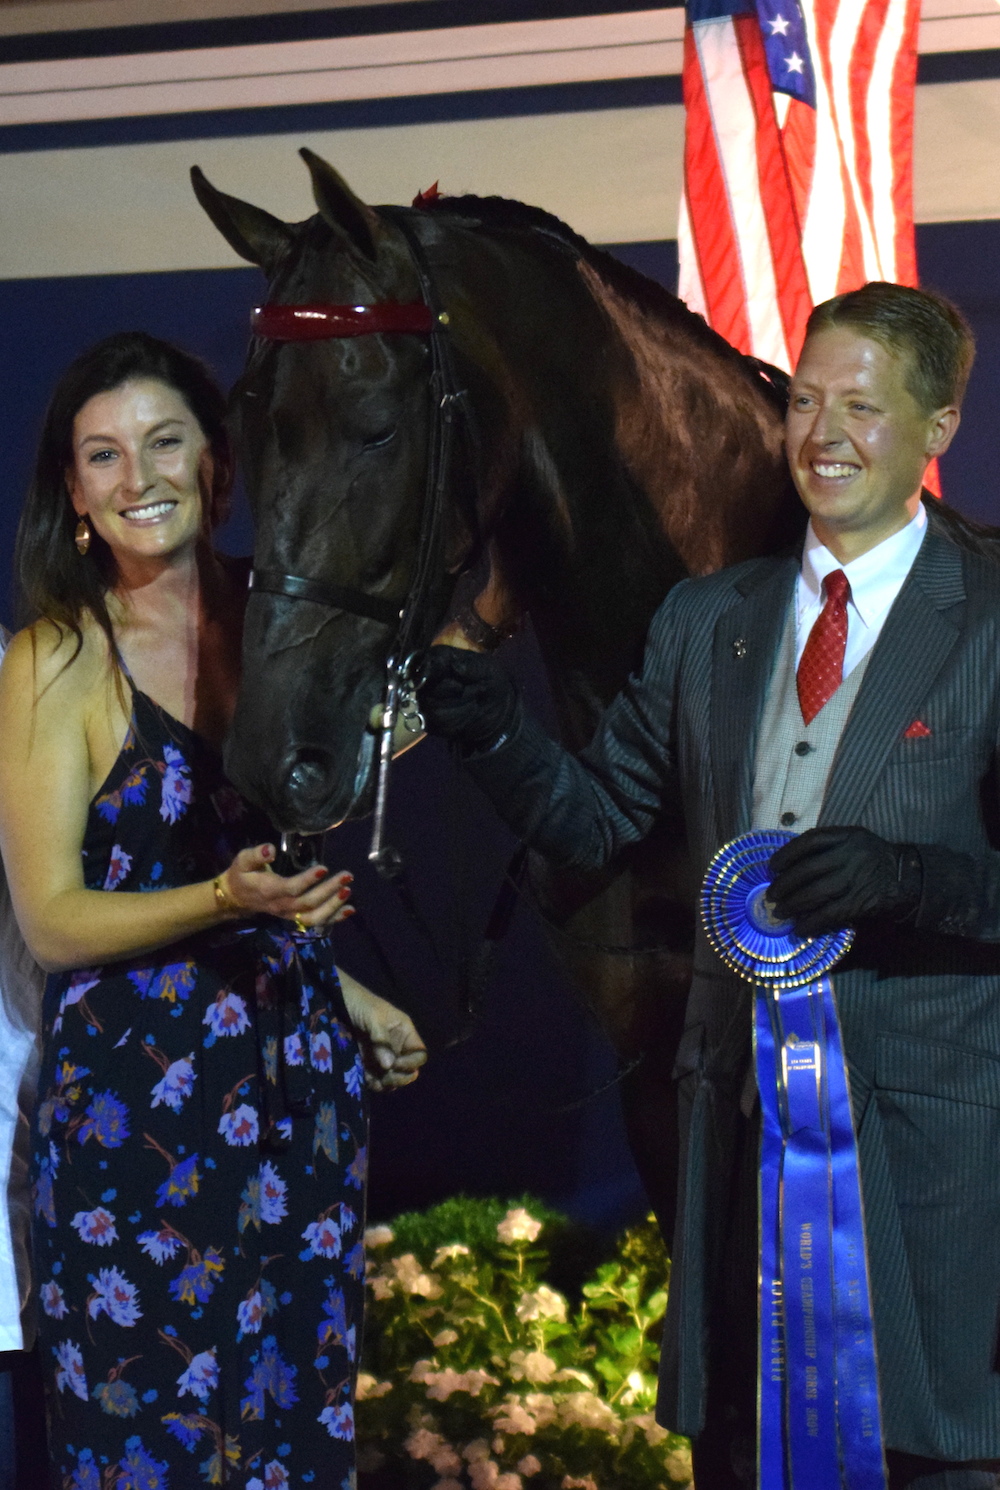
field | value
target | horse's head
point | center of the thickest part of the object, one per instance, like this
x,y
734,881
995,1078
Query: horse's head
x,y
333,437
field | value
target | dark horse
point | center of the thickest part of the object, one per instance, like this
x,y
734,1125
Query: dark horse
x,y
620,445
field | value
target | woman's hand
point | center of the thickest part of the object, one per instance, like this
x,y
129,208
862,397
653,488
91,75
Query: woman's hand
x,y
391,1049
313,898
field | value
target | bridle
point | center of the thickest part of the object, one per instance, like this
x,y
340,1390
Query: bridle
x,y
408,614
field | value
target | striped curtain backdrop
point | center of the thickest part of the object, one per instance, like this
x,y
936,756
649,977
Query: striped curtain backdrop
x,y
798,163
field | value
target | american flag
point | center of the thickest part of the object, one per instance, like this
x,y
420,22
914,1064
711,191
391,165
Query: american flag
x,y
797,162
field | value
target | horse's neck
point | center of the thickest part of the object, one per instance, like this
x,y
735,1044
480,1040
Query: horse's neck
x,y
656,459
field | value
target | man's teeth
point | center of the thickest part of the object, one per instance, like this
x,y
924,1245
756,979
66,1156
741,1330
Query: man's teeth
x,y
830,469
155,509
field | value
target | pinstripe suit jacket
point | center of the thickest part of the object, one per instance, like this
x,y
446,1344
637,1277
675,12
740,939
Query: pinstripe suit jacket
x,y
920,1009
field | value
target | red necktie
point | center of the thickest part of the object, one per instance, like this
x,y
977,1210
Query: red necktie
x,y
821,670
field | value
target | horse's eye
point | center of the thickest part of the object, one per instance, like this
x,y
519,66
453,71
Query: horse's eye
x,y
384,437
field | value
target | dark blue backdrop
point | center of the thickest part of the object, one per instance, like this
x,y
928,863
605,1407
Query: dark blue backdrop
x,y
497,1112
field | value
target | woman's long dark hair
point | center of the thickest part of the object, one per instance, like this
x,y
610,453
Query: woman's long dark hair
x,y
54,580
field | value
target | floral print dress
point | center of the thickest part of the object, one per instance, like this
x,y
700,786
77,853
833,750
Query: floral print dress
x,y
199,1168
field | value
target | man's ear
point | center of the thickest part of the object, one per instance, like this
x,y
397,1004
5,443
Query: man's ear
x,y
941,430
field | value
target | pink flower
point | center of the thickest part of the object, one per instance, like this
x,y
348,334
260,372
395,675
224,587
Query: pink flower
x,y
518,1226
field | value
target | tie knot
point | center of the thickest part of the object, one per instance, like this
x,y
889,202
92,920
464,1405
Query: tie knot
x,y
838,586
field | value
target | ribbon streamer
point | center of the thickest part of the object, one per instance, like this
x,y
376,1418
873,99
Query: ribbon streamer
x,y
819,1424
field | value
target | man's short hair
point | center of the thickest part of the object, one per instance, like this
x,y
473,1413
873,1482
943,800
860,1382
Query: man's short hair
x,y
933,333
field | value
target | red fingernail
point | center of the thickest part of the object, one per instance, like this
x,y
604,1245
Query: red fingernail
x,y
348,879
267,851
343,893
348,910
321,874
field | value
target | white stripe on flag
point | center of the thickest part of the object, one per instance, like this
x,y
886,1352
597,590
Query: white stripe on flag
x,y
690,288
735,127
823,229
879,104
843,39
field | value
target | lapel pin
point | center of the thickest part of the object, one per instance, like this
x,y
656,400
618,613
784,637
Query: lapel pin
x,y
739,648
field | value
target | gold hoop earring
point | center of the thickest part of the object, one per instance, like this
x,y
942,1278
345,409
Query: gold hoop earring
x,y
82,536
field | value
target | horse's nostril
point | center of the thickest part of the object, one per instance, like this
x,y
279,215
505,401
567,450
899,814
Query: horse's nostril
x,y
309,772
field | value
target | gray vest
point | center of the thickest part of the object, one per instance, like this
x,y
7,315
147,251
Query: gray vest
x,y
793,760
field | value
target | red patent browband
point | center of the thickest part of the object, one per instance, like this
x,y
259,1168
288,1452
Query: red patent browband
x,y
322,322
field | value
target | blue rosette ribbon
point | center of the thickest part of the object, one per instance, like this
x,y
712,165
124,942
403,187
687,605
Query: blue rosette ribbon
x,y
819,1422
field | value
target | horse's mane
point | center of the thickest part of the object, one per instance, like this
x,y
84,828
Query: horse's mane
x,y
503,215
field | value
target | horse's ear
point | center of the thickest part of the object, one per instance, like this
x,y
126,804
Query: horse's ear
x,y
339,208
252,232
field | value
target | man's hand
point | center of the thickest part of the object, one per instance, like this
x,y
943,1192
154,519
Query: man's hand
x,y
391,1049
829,878
467,697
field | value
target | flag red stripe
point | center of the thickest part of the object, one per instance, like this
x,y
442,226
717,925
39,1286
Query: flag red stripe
x,y
904,80
708,205
862,59
775,188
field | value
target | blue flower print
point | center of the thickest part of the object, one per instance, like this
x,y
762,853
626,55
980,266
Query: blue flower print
x,y
117,1398
161,1245
176,1084
341,1034
355,1261
295,1054
195,1284
270,1374
173,982
53,1300
323,1237
175,795
140,1471
334,1331
58,1104
325,1134
201,1376
132,792
338,1420
321,1051
226,1016
187,1427
357,1170
118,868
80,984
241,1127
181,1183
86,1475
250,1314
114,1296
275,1477
106,1121
43,1193
71,1373
354,1077
96,1226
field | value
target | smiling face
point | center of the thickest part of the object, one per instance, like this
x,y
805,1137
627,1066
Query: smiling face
x,y
857,440
141,470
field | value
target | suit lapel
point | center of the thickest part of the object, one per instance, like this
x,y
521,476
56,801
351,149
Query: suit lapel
x,y
914,645
744,647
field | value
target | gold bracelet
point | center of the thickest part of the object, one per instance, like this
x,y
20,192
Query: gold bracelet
x,y
223,899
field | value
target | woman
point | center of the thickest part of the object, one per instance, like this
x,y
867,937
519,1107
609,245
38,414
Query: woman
x,y
200,1138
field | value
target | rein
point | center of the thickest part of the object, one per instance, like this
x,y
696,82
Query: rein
x,y
408,614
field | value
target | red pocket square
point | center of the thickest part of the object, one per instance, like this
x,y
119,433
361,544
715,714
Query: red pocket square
x,y
917,731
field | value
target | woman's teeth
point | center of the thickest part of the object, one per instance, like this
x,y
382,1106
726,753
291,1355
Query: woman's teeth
x,y
145,514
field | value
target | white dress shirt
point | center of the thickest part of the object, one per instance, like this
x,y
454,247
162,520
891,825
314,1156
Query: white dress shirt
x,y
876,578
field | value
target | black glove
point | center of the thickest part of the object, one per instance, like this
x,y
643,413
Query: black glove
x,y
828,878
467,697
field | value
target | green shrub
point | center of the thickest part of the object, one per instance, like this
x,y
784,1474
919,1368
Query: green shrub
x,y
478,1374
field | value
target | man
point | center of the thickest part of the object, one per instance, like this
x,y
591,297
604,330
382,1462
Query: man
x,y
850,693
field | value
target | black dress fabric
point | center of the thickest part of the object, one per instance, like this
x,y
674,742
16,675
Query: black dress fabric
x,y
199,1169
